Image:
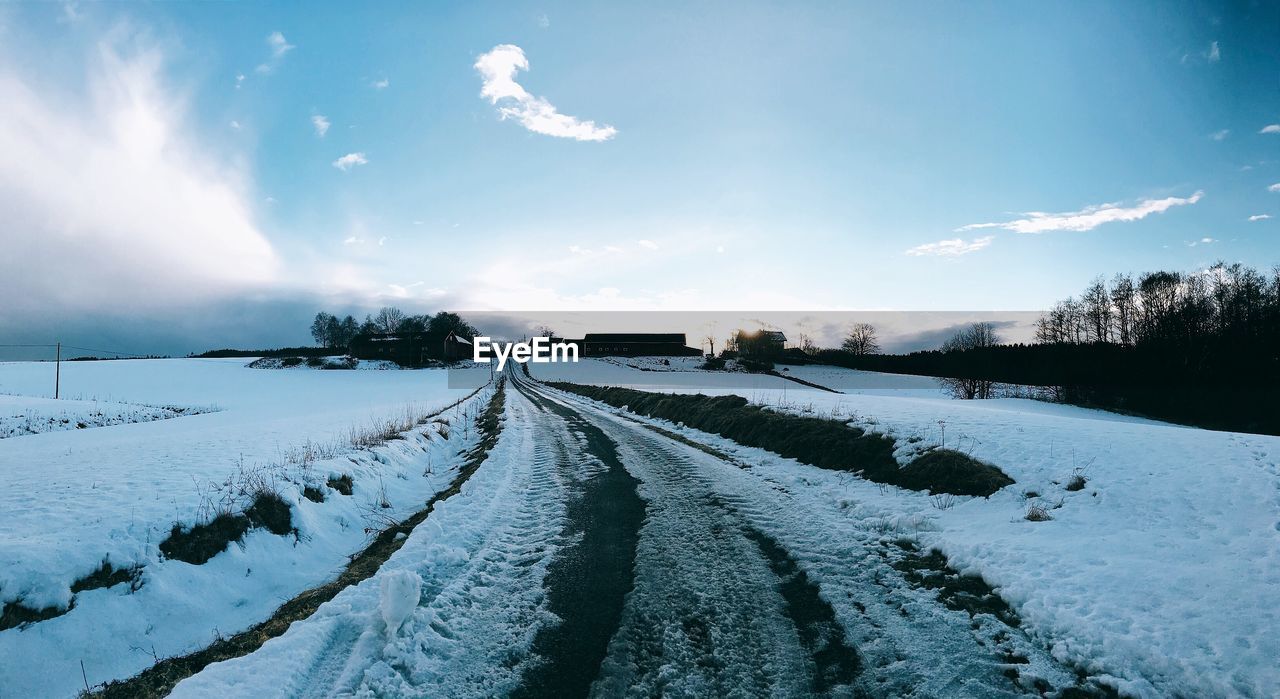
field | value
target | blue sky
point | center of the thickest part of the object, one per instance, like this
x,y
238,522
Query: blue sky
x,y
745,155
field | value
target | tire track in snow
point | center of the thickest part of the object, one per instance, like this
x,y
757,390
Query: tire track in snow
x,y
590,577
710,613
910,644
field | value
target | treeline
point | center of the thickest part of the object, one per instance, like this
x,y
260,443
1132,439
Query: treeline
x,y
331,332
1225,305
1201,348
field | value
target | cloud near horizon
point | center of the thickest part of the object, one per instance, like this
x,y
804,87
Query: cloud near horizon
x,y
498,70
110,201
951,248
1087,218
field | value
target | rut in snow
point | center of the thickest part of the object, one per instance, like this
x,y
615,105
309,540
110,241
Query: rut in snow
x,y
588,580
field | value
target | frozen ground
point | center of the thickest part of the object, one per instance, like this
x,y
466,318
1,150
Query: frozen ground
x,y
25,415
1162,572
74,499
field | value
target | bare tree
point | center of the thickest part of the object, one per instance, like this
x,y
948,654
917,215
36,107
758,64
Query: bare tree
x,y
861,340
1097,311
975,337
388,319
1125,301
321,329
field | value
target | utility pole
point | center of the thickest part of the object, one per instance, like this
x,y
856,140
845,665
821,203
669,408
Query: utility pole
x,y
57,373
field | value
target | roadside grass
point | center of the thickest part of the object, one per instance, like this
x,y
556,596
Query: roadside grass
x,y
343,484
15,613
821,442
200,542
107,575
160,679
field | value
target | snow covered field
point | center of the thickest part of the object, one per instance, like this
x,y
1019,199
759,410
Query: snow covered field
x,y
24,415
74,499
1162,572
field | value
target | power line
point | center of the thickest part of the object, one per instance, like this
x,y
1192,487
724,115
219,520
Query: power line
x,y
119,354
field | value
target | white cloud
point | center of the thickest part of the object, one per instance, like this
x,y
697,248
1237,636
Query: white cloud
x,y
1088,218
1270,128
349,161
352,240
1274,188
381,84
1220,135
321,124
108,186
951,248
498,69
1259,217
648,244
239,80
70,13
279,47
544,21
1202,241
1214,54
234,124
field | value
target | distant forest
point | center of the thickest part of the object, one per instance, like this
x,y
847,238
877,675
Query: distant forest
x,y
1200,348
332,332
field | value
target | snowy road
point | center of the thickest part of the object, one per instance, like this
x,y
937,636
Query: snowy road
x,y
593,555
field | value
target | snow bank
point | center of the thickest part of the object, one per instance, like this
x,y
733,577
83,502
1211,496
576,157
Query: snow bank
x,y
77,498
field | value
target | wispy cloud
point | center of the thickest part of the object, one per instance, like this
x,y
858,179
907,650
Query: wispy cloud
x,y
1259,217
381,84
100,177
1087,218
1274,188
350,160
321,124
1270,128
1214,54
544,21
1202,241
70,13
279,47
648,244
952,248
234,125
498,70
1220,135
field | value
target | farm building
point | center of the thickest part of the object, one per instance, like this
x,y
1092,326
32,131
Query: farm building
x,y
411,348
760,344
633,345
